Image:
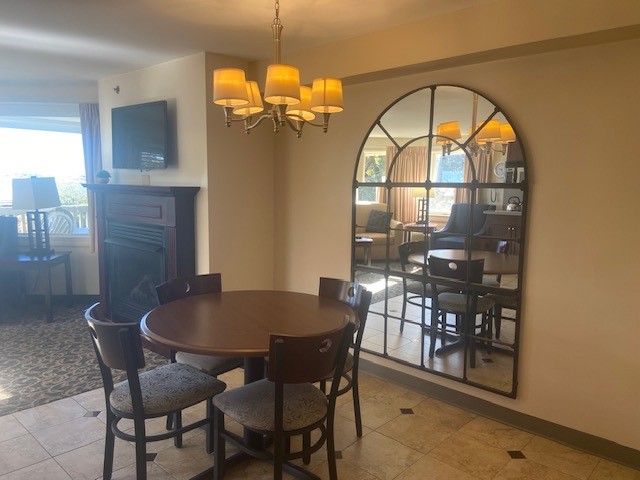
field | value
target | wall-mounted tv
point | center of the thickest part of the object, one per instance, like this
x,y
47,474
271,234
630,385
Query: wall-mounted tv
x,y
140,136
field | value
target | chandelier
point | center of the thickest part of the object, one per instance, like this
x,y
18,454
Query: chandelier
x,y
491,133
291,104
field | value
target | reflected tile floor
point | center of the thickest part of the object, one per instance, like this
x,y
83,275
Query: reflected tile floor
x,y
407,436
492,369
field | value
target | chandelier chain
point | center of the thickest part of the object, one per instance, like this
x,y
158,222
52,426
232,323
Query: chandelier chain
x,y
277,8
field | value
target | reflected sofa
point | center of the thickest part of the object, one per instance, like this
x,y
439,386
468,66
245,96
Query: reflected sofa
x,y
378,249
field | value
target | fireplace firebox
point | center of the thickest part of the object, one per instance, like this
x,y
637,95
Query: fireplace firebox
x,y
146,235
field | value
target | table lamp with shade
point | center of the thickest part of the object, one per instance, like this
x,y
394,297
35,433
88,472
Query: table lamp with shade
x,y
32,194
421,194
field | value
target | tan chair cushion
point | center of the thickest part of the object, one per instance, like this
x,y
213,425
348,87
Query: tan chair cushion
x,y
253,405
166,389
457,303
209,364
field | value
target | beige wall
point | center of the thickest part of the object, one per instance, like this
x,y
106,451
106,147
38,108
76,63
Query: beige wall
x,y
240,178
182,83
234,208
580,330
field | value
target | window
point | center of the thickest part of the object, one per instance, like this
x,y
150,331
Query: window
x,y
32,145
449,168
374,170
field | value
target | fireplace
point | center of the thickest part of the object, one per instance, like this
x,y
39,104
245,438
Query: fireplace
x,y
146,235
136,255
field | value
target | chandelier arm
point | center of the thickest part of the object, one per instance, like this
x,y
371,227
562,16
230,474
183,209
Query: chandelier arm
x,y
296,125
248,126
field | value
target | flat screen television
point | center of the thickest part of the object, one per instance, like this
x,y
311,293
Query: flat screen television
x,y
140,136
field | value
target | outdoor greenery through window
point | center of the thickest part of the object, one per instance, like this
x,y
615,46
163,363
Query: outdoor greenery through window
x,y
45,153
374,171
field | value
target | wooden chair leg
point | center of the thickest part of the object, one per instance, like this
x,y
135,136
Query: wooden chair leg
x,y
331,452
472,344
434,331
278,457
497,319
209,427
355,392
109,445
218,444
404,309
177,440
141,449
306,446
323,386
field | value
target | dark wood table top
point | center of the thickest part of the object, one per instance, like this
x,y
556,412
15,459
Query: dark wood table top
x,y
238,323
494,263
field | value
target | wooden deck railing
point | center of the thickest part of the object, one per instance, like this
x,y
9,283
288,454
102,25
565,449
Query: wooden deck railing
x,y
77,222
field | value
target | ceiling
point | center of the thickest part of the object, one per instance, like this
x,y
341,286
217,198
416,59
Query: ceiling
x,y
67,43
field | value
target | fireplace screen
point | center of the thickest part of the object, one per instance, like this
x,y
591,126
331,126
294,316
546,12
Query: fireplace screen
x,y
136,265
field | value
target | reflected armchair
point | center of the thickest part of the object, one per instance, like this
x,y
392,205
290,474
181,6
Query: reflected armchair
x,y
451,236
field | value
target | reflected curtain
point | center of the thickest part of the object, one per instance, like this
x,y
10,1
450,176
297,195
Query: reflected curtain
x,y
482,162
90,128
411,166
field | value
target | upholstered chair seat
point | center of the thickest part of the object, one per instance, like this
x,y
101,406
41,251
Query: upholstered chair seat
x,y
457,303
211,365
165,389
253,405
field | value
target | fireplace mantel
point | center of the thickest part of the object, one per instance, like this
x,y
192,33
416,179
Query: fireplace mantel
x,y
144,218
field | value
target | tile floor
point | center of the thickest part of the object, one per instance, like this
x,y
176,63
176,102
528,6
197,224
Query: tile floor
x,y
64,440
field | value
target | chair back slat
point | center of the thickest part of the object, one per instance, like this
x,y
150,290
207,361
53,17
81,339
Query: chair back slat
x,y
462,270
307,358
183,287
106,337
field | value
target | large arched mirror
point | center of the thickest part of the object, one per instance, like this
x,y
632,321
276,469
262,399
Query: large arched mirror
x,y
440,198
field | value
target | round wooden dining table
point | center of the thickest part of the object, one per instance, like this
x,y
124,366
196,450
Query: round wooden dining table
x,y
494,263
238,323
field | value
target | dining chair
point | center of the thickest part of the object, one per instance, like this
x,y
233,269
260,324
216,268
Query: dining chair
x,y
183,287
150,394
501,302
458,302
357,297
412,290
287,403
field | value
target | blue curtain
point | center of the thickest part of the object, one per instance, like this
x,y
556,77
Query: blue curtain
x,y
90,128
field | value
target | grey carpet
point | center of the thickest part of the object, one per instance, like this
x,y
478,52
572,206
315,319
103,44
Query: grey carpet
x,y
43,362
